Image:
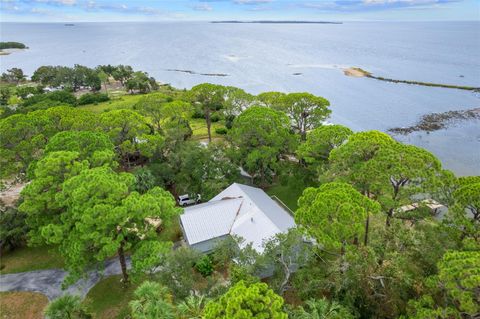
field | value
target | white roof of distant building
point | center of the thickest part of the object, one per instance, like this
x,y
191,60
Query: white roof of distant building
x,y
240,210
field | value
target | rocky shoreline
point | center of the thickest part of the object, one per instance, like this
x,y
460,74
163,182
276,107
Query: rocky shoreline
x,y
437,121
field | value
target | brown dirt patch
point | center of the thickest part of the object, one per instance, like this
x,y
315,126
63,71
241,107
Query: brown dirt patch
x,y
22,305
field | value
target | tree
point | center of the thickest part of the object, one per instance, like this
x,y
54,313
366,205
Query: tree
x,y
141,82
454,292
13,75
131,135
464,215
13,229
67,307
192,307
151,105
210,97
5,95
286,252
103,217
122,73
259,137
152,301
272,100
306,111
203,170
178,273
334,214
321,141
246,301
236,101
104,79
39,197
24,136
87,144
386,170
322,309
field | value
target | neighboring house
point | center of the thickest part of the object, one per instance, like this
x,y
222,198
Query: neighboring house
x,y
239,210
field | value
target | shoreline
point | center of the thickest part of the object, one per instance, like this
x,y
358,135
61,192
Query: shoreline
x,y
360,73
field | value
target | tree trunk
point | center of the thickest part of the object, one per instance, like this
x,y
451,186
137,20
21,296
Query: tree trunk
x,y
367,224
389,216
209,123
123,263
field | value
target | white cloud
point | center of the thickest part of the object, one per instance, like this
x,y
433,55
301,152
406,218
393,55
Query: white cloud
x,y
202,7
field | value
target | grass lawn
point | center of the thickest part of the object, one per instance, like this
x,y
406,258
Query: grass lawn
x,y
287,194
108,299
22,305
199,128
30,258
122,102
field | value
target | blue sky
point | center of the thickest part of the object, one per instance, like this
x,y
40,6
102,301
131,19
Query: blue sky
x,y
161,10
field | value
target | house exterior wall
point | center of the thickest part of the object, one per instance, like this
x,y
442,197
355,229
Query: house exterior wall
x,y
207,245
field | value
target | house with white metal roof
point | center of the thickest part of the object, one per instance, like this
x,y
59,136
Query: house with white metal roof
x,y
239,210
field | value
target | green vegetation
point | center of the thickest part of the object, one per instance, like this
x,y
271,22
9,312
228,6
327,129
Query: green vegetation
x,y
109,298
288,194
12,45
102,178
31,258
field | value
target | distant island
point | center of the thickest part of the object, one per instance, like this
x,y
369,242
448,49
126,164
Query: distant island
x,y
278,22
11,45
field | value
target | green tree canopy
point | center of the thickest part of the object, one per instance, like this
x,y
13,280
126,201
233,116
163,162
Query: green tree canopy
x,y
306,111
209,97
454,291
103,217
246,301
89,145
131,135
464,215
388,171
334,214
259,137
321,141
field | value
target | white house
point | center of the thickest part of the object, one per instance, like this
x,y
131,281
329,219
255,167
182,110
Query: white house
x,y
240,210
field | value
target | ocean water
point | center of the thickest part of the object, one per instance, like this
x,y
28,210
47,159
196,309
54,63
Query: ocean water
x,y
293,58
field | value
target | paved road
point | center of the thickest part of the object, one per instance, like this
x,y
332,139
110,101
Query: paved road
x,y
49,282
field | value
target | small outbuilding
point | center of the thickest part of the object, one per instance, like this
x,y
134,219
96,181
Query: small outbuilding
x,y
239,210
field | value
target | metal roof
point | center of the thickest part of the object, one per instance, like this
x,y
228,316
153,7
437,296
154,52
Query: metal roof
x,y
241,210
209,220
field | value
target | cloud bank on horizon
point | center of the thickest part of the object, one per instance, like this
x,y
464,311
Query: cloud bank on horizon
x,y
160,10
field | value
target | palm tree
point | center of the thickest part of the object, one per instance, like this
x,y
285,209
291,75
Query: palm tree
x,y
67,307
152,301
322,309
192,307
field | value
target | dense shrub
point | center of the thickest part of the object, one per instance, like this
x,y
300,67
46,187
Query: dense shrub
x,y
229,121
60,96
91,98
221,130
13,230
215,117
204,266
198,113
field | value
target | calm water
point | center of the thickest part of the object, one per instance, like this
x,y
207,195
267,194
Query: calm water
x,y
261,57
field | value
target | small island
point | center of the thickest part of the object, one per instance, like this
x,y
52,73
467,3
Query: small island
x,y
11,45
